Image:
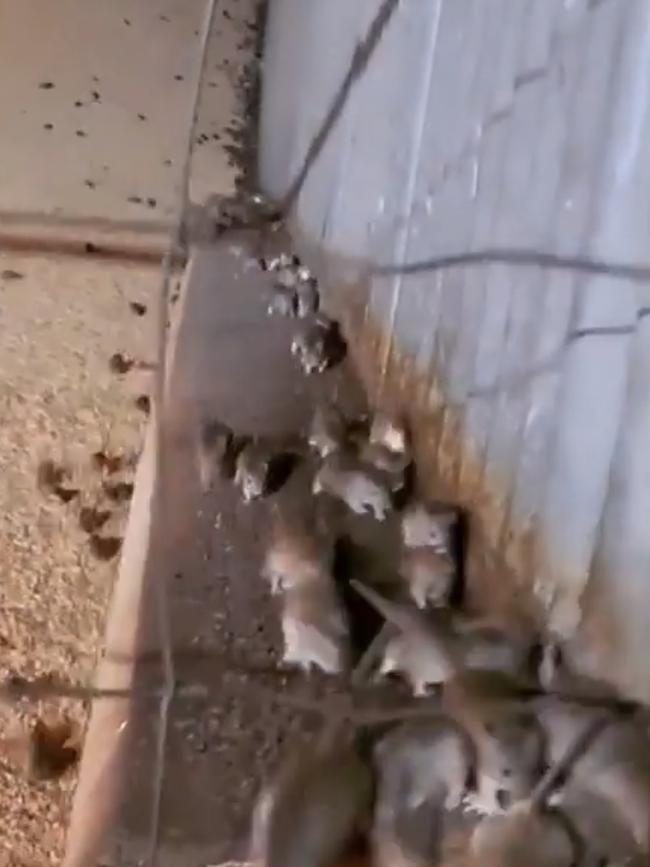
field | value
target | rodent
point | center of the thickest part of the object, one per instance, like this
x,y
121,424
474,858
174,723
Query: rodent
x,y
422,768
327,432
252,470
429,575
297,554
530,833
433,648
389,433
315,628
319,346
429,526
309,813
344,478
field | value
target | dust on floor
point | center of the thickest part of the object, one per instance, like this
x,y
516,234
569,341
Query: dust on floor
x,y
96,106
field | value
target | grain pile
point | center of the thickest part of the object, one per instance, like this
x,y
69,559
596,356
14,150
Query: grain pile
x,y
61,407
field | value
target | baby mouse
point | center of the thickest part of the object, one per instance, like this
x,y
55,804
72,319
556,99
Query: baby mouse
x,y
315,626
296,555
510,754
283,302
429,575
412,656
429,526
344,478
327,432
307,298
282,261
388,433
286,277
424,651
319,346
430,650
390,466
252,469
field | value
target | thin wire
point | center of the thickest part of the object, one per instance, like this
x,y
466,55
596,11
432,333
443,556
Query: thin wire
x,y
558,771
164,624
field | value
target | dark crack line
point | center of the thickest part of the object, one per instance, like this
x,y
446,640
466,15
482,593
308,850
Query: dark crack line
x,y
358,65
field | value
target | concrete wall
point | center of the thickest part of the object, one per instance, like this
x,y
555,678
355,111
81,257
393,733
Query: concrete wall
x,y
496,123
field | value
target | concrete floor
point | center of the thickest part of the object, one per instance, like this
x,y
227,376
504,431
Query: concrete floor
x,y
94,104
224,627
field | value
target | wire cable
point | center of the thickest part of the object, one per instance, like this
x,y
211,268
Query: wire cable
x,y
162,602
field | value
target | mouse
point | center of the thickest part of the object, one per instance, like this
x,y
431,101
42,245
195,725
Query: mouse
x,y
319,346
315,627
510,756
429,575
424,651
252,469
314,621
313,808
344,478
285,276
530,832
392,467
388,433
284,302
283,260
422,768
327,432
413,657
296,555
429,526
430,650
307,297
425,759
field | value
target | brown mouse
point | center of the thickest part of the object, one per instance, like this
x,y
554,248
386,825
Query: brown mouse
x,y
422,769
327,432
429,526
308,815
343,477
315,627
429,575
530,833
